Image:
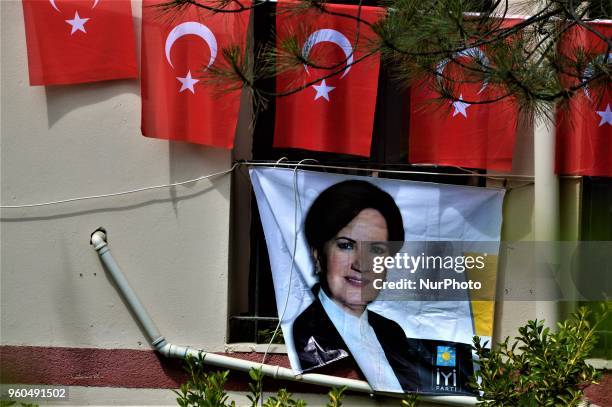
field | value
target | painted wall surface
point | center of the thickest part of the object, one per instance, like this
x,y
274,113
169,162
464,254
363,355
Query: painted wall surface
x,y
69,141
518,227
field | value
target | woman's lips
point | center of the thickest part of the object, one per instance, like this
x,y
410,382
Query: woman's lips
x,y
356,281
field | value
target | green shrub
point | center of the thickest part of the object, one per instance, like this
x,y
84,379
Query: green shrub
x,y
204,389
541,367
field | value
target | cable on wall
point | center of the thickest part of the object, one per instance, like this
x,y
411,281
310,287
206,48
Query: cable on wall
x,y
279,163
131,191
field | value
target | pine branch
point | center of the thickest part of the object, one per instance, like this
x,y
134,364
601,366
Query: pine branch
x,y
215,6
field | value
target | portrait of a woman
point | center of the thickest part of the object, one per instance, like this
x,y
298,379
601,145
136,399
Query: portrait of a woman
x,y
347,225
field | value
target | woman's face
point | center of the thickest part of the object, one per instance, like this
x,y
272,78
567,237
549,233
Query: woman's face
x,y
349,257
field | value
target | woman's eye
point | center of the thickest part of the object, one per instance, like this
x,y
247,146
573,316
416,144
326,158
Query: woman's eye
x,y
343,245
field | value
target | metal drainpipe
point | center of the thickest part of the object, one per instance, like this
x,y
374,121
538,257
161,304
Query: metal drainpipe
x,y
99,242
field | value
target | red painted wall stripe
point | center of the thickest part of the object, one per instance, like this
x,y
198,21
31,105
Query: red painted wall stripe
x,y
122,368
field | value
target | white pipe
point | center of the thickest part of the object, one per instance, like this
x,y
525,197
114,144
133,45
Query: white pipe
x,y
99,242
546,212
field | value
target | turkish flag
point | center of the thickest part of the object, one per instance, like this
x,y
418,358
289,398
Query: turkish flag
x,y
177,49
333,114
584,127
76,41
462,133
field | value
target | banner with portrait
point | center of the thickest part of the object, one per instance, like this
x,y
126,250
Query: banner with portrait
x,y
389,278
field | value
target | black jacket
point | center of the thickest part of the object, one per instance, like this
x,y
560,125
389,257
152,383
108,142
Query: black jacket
x,y
414,361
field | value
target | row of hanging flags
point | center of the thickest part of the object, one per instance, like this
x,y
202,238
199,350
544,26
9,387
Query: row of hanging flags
x,y
76,41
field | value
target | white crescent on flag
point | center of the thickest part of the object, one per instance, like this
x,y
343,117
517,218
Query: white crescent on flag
x,y
194,28
333,36
54,5
475,53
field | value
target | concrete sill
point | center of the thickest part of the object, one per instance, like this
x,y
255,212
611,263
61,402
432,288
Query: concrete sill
x,y
600,364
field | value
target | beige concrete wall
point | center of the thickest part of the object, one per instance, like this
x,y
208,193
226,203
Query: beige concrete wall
x,y
70,141
518,226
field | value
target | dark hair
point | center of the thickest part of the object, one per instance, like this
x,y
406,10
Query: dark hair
x,y
339,204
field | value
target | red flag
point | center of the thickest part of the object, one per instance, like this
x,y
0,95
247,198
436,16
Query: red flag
x,y
175,51
334,114
76,41
584,128
461,133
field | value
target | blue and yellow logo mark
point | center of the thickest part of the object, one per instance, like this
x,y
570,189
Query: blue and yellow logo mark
x,y
446,356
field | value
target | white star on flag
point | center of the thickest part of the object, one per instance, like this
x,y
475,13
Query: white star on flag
x,y
323,90
187,82
460,107
78,23
606,116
